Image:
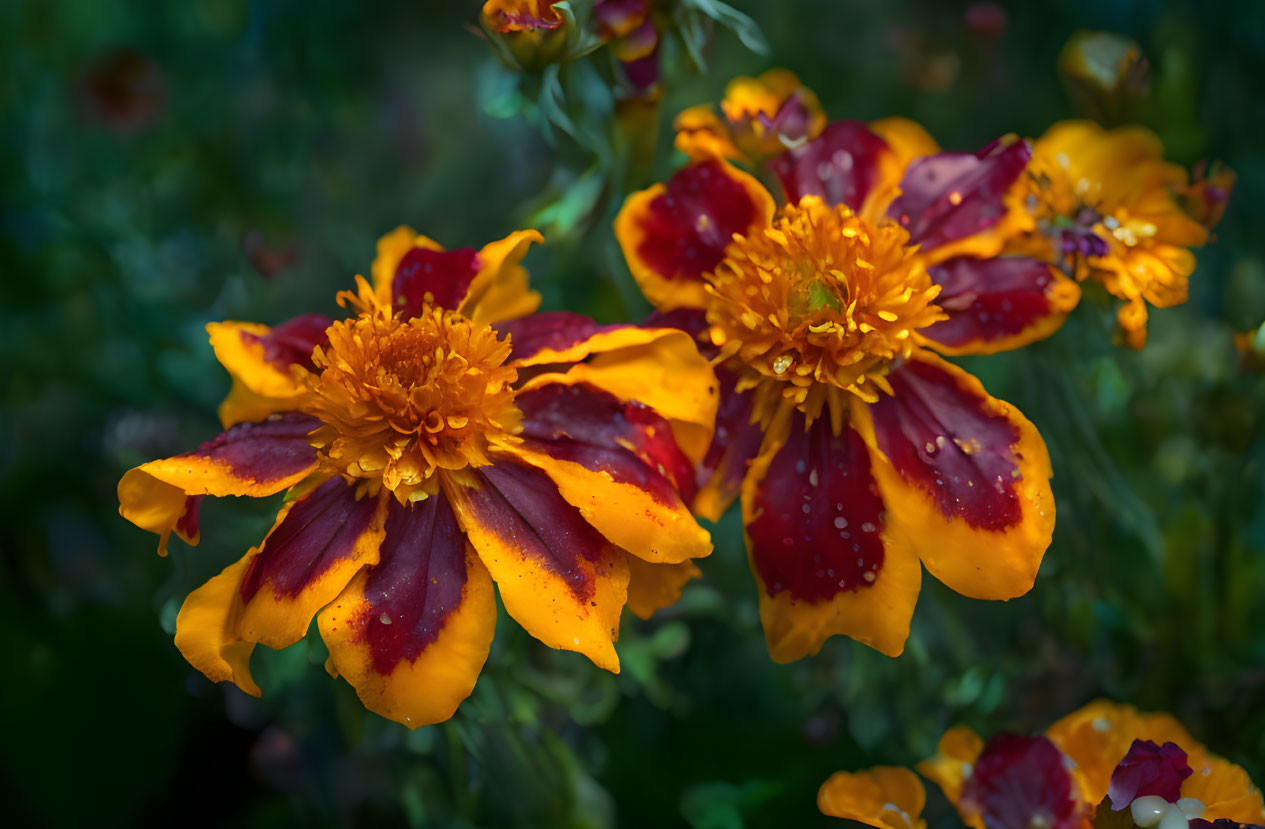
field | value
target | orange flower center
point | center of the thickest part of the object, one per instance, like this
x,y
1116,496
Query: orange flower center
x,y
402,398
818,307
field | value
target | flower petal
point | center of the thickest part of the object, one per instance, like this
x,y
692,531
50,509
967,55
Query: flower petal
x,y
254,459
1022,781
652,587
259,357
905,137
888,797
635,507
392,248
411,633
675,232
565,337
965,476
270,596
951,197
499,291
1148,769
1098,735
317,545
432,277
1225,790
412,270
953,763
734,446
842,165
558,577
819,546
998,304
658,367
701,134
206,630
587,415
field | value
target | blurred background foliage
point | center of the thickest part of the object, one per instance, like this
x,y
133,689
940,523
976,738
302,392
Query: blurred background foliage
x,y
169,164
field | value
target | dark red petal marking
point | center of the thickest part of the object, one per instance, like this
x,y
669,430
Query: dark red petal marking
x,y
292,342
818,515
552,331
735,442
688,227
1149,769
416,584
1021,782
948,196
445,275
187,524
840,165
941,440
988,299
320,529
524,508
585,425
267,450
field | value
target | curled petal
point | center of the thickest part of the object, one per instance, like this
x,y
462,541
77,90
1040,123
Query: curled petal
x,y
675,232
499,290
254,459
953,197
887,797
271,595
1148,769
259,359
998,304
965,476
206,630
411,633
652,587
819,546
558,577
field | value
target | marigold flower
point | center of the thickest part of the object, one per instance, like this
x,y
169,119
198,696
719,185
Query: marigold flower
x,y
759,118
857,451
439,440
529,34
506,16
1105,756
1103,205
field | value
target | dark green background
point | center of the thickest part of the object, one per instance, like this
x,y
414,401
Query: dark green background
x,y
327,124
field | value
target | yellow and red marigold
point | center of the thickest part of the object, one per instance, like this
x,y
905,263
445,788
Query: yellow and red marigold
x,y
759,118
1106,206
1085,771
857,450
442,439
